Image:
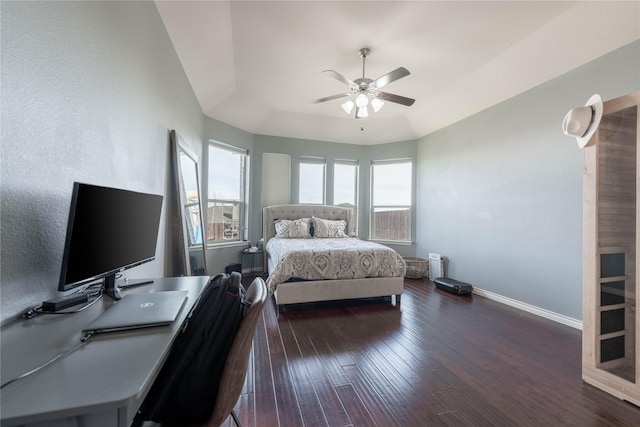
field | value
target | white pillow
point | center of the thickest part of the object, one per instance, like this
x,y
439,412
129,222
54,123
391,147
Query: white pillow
x,y
329,228
293,229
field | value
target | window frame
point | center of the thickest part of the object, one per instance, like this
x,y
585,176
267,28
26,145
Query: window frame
x,y
241,203
372,207
308,160
356,183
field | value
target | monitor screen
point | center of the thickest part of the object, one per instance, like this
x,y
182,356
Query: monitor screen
x,y
109,230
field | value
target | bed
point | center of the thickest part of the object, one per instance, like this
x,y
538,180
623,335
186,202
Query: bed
x,y
309,275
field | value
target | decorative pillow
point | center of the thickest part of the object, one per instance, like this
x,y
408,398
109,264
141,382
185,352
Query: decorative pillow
x,y
329,228
293,229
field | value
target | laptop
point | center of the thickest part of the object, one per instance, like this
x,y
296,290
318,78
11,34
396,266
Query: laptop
x,y
136,311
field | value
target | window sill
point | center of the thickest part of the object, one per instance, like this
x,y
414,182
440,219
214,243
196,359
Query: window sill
x,y
393,242
239,243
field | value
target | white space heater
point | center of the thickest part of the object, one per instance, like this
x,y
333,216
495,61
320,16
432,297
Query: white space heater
x,y
436,266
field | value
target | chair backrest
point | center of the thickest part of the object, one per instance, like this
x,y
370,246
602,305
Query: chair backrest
x,y
235,368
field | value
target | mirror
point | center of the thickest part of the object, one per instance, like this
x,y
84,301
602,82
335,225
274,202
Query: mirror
x,y
187,234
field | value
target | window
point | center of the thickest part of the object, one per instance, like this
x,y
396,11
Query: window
x,y
345,184
391,200
312,171
227,189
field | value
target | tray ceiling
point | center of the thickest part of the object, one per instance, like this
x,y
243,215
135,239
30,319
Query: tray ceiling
x,y
257,65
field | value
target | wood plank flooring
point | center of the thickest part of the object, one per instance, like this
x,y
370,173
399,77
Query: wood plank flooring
x,y
438,360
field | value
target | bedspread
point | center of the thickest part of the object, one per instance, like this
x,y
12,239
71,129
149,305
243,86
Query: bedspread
x,y
321,259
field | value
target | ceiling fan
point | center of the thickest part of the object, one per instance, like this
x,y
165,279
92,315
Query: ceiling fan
x,y
365,91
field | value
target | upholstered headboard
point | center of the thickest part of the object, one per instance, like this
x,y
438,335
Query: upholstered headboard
x,y
271,213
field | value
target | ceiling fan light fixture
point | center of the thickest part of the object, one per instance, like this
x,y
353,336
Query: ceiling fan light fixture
x,y
362,100
364,91
376,104
348,106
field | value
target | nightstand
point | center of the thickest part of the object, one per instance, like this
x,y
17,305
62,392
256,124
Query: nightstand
x,y
252,256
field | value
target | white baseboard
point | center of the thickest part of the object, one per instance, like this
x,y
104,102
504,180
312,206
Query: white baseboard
x,y
565,320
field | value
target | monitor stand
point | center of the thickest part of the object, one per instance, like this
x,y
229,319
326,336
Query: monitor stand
x,y
110,288
132,283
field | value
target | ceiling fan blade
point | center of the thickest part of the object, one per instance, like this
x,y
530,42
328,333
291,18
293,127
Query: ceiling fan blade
x,y
329,98
392,76
385,96
336,75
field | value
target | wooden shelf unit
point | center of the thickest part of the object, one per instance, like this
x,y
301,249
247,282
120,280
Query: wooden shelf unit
x,y
610,336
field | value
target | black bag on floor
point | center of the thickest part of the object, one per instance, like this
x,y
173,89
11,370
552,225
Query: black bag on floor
x,y
454,286
186,387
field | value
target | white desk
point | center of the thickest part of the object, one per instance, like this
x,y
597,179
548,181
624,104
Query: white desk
x,y
102,383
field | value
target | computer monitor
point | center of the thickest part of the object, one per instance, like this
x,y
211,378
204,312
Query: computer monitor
x,y
109,230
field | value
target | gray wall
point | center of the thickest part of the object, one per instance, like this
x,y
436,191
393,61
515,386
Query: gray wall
x,y
89,93
500,193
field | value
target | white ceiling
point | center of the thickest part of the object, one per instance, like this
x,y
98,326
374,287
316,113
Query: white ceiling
x,y
257,65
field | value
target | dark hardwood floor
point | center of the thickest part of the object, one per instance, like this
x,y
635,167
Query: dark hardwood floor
x,y
438,360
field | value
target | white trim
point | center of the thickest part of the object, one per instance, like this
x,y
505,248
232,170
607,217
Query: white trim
x,y
345,162
239,243
309,160
228,147
392,161
560,318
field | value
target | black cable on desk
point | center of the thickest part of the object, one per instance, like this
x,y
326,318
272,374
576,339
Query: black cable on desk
x,y
65,353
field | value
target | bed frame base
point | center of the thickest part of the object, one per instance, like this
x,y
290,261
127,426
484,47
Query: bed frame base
x,y
328,290
324,290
